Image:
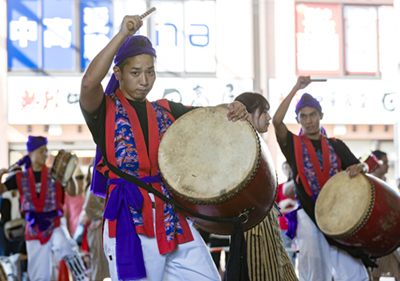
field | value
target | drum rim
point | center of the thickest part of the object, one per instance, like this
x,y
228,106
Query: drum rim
x,y
227,196
63,180
53,173
22,226
255,224
363,219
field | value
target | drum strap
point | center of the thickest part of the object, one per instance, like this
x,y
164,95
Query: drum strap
x,y
237,263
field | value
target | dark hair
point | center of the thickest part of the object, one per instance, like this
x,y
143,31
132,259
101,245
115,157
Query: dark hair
x,y
253,101
122,64
379,154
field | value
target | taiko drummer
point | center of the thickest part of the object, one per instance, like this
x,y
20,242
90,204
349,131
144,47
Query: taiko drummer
x,y
144,238
314,158
41,200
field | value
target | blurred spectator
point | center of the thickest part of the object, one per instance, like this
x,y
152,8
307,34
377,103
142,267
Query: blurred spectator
x,y
388,266
73,205
94,209
286,201
382,168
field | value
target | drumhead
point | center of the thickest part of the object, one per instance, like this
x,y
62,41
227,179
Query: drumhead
x,y
69,169
205,159
343,203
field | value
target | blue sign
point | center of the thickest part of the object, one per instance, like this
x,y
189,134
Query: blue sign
x,y
96,28
58,35
23,34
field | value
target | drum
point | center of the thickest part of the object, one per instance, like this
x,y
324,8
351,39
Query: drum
x,y
360,212
63,167
14,230
218,168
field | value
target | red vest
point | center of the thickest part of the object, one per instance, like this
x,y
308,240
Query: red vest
x,y
148,166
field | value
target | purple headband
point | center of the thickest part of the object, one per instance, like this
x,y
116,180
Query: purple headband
x,y
35,142
308,100
133,46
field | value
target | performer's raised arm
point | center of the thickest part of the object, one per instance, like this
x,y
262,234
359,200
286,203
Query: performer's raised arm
x,y
91,90
280,127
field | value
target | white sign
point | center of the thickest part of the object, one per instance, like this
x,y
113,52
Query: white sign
x,y
57,33
167,36
361,39
343,101
128,7
184,36
24,31
44,100
199,91
200,36
96,30
55,100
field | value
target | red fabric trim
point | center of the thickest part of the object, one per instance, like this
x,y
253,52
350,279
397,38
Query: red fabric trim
x,y
112,225
321,174
154,138
59,196
164,103
110,130
147,213
101,167
38,202
18,177
187,233
298,150
85,245
144,167
163,245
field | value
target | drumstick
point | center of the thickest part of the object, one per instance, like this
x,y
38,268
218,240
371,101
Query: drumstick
x,y
144,16
319,80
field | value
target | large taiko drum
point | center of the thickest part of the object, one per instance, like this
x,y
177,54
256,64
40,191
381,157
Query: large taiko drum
x,y
218,168
360,212
63,167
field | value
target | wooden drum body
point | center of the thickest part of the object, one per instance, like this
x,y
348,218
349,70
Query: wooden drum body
x,y
63,167
218,168
360,212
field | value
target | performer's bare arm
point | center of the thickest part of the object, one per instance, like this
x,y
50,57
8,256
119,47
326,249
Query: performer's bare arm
x,y
288,188
71,187
92,92
280,127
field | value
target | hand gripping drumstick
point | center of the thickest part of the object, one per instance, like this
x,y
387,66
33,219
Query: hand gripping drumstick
x,y
144,16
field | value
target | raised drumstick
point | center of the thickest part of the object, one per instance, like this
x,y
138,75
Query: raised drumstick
x,y
319,80
147,14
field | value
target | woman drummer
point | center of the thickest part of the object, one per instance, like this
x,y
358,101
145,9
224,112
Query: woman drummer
x,y
266,255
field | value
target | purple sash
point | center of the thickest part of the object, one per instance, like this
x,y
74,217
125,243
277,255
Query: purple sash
x,y
130,263
42,219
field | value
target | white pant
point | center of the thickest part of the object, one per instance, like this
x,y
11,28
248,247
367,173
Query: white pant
x,y
39,256
318,261
190,261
